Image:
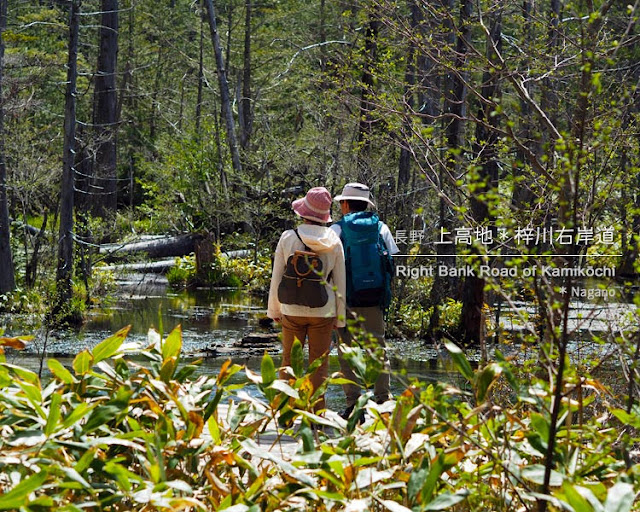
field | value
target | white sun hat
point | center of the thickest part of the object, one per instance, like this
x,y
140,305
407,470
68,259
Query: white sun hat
x,y
354,192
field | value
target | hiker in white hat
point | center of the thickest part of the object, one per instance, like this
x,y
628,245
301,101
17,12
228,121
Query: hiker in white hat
x,y
368,245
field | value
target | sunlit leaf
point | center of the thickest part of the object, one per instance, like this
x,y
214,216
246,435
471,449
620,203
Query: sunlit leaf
x,y
620,498
19,495
460,360
60,371
110,346
17,343
535,474
285,388
447,500
23,373
54,414
173,344
394,507
82,362
297,358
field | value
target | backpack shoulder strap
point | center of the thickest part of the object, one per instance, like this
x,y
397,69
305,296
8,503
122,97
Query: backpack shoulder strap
x,y
298,235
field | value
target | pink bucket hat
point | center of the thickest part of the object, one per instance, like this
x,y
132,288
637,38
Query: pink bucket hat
x,y
315,206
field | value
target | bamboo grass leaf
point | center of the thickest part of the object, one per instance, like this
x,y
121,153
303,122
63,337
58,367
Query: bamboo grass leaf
x,y
60,372
460,360
107,348
19,495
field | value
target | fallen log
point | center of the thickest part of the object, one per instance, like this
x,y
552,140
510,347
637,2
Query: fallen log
x,y
180,245
164,265
158,267
257,340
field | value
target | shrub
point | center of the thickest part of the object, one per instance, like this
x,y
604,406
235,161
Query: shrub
x,y
117,433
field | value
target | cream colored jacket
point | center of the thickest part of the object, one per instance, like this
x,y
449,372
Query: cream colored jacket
x,y
328,246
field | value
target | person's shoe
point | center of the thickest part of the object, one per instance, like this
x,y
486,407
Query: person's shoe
x,y
382,399
346,414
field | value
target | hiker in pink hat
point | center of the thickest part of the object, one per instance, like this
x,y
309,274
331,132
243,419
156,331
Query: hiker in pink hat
x,y
308,284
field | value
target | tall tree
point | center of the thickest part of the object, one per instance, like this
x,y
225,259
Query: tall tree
x,y
7,275
367,93
105,114
454,112
245,116
486,180
224,88
65,241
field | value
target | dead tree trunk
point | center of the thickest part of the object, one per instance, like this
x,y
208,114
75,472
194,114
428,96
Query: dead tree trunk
x,y
7,274
65,240
244,107
104,189
224,88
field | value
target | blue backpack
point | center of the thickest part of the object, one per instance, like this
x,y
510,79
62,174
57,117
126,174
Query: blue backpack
x,y
368,261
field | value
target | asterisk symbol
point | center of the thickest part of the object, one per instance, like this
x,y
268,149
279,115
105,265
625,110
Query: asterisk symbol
x,y
563,290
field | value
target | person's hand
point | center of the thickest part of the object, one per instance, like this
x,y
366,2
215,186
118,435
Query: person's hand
x,y
278,319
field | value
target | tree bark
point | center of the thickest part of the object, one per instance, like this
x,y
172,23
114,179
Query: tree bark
x,y
244,107
104,189
65,244
367,121
473,295
7,272
454,112
224,88
524,194
200,77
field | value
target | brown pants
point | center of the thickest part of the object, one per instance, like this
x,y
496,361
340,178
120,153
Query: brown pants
x,y
317,330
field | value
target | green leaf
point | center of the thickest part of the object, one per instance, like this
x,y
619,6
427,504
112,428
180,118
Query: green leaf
x,y
168,369
103,414
541,425
173,344
447,500
60,372
82,362
485,379
79,412
297,358
54,414
26,375
619,498
110,346
460,360
438,466
268,370
535,474
417,480
578,502
19,495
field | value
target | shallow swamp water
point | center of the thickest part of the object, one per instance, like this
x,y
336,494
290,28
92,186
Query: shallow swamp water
x,y
214,320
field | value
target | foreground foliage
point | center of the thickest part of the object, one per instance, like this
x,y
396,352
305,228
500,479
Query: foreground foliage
x,y
129,428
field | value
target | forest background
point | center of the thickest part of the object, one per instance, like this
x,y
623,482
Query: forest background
x,y
174,117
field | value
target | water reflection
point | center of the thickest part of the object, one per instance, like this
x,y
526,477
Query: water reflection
x,y
210,318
